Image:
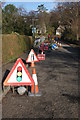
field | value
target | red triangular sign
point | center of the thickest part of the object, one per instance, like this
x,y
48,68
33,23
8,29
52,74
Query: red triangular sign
x,y
12,78
32,57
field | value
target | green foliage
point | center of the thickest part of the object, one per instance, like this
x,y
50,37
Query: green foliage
x,y
50,30
69,35
65,14
10,9
41,8
14,45
13,20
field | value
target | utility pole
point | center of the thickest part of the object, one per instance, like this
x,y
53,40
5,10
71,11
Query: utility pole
x,y
33,28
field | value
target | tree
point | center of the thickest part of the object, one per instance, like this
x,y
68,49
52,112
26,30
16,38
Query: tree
x,y
15,20
43,17
8,17
69,17
54,20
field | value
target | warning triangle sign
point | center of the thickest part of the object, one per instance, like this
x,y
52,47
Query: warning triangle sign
x,y
19,75
32,57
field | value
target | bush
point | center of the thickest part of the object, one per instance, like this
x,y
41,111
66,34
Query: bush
x,y
14,45
69,35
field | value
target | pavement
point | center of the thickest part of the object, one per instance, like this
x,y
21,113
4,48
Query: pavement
x,y
58,83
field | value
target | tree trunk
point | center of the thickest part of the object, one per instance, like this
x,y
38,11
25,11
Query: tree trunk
x,y
77,36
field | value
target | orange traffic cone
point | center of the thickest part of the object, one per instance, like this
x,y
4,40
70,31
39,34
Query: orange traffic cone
x,y
31,93
32,64
32,89
34,76
60,45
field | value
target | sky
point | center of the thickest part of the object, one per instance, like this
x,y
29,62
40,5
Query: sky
x,y
28,6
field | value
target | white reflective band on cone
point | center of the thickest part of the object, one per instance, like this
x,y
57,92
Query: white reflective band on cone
x,y
35,79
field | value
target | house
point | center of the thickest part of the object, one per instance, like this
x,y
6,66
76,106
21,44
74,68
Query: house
x,y
60,30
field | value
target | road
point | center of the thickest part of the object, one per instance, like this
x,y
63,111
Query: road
x,y
58,83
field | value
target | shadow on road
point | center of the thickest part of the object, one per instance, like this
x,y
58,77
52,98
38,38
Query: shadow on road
x,y
24,61
73,50
4,77
72,98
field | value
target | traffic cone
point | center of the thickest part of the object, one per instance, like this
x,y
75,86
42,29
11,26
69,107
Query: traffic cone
x,y
31,92
32,89
32,64
34,76
60,45
56,42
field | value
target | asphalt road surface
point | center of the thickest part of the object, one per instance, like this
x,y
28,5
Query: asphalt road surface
x,y
58,83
